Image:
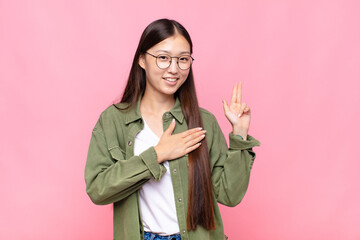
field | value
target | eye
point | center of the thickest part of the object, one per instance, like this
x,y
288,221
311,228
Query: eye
x,y
163,58
184,59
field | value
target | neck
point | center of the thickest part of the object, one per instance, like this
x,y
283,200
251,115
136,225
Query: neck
x,y
156,103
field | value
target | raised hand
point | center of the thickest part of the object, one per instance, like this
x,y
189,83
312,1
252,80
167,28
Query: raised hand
x,y
177,145
238,113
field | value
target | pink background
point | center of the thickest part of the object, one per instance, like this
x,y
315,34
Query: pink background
x,y
63,62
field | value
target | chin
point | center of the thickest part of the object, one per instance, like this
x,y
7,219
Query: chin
x,y
173,90
170,92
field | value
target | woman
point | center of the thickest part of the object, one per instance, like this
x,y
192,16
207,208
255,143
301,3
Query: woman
x,y
159,158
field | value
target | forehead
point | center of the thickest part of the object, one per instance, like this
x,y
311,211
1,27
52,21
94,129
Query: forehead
x,y
175,44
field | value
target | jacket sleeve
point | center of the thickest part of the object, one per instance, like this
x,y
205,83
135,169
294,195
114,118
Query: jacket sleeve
x,y
110,177
231,166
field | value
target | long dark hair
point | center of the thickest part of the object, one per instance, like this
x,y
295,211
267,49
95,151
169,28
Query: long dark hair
x,y
200,205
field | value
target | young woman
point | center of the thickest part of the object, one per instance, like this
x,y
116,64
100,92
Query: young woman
x,y
162,161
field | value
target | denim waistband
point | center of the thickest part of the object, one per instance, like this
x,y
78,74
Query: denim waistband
x,y
153,236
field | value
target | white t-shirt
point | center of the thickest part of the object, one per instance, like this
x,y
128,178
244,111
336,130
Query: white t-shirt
x,y
157,203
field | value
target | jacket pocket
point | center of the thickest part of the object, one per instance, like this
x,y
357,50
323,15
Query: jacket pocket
x,y
116,153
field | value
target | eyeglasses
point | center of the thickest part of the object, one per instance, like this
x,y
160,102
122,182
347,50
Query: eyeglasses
x,y
163,61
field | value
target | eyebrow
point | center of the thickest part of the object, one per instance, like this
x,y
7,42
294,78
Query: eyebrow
x,y
169,52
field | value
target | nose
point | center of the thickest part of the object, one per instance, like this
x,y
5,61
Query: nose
x,y
173,68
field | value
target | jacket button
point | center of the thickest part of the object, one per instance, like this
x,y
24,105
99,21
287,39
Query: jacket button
x,y
167,115
184,231
180,200
174,170
129,143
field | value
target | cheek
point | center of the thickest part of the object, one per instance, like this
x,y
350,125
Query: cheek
x,y
185,75
153,73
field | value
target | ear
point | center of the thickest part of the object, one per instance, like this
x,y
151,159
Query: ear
x,y
142,61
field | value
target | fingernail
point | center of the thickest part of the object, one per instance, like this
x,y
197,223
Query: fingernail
x,y
204,131
173,120
200,128
239,115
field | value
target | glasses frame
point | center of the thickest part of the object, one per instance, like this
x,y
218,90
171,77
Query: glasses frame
x,y
177,62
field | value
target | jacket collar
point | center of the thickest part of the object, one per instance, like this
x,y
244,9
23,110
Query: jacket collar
x,y
134,114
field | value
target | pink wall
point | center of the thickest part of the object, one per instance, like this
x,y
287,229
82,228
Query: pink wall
x,y
63,62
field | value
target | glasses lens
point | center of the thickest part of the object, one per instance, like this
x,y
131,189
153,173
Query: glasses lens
x,y
163,61
185,62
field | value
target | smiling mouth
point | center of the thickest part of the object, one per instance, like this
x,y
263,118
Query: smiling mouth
x,y
171,79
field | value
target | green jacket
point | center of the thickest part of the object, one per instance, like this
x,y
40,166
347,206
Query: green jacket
x,y
114,175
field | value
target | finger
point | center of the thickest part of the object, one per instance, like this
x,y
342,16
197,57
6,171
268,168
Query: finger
x,y
247,109
192,148
194,141
243,105
239,93
171,128
193,136
190,131
242,108
233,97
226,107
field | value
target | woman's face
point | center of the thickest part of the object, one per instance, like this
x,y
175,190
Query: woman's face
x,y
165,81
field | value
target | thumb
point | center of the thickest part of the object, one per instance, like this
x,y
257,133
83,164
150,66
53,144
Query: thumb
x,y
225,105
171,127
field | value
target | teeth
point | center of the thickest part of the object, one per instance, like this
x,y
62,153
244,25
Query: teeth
x,y
171,79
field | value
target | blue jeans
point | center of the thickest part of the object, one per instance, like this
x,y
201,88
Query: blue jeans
x,y
153,236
